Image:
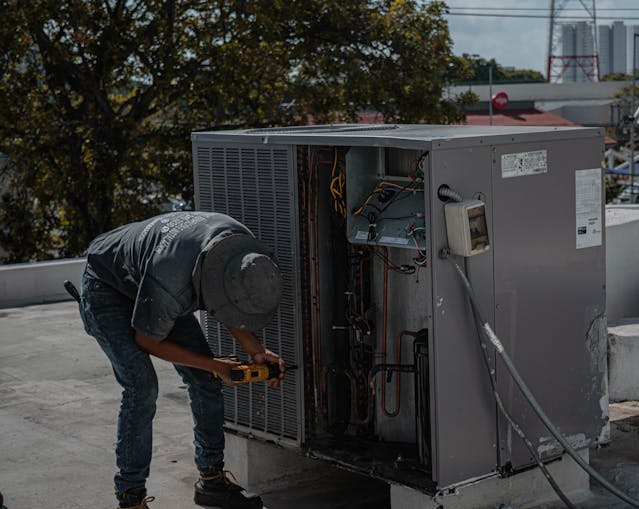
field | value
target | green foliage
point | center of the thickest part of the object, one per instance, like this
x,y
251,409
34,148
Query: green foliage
x,y
98,97
617,76
479,69
613,187
625,94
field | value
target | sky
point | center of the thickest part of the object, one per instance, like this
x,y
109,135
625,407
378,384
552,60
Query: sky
x,y
520,42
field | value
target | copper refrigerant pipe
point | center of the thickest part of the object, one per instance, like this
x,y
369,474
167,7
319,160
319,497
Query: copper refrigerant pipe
x,y
318,314
313,276
398,377
317,269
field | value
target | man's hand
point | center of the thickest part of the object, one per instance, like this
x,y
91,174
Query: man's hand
x,y
259,354
268,356
223,368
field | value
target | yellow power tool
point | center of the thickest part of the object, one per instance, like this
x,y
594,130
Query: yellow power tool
x,y
247,373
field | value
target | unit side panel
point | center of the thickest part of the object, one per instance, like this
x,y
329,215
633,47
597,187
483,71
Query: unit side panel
x,y
257,186
463,411
549,295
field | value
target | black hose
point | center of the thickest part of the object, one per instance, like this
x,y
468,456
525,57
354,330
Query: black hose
x,y
446,193
534,404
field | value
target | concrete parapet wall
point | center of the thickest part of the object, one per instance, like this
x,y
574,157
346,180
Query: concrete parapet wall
x,y
622,261
623,360
24,284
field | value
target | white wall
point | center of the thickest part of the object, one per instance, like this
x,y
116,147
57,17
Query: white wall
x,y
36,283
588,113
622,262
24,284
546,91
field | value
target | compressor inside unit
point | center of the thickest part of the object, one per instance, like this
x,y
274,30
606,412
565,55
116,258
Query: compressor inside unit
x,y
365,289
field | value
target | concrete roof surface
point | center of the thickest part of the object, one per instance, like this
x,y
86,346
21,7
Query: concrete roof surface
x,y
58,407
621,214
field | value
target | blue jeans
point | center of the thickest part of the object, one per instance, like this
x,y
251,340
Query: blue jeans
x,y
107,317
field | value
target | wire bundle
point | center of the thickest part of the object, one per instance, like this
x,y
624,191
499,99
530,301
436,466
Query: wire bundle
x,y
338,182
382,189
420,261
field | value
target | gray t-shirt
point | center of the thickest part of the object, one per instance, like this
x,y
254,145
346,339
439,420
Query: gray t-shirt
x,y
152,263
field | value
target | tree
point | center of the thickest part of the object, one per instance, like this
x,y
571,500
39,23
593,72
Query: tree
x,y
85,94
98,97
479,68
617,76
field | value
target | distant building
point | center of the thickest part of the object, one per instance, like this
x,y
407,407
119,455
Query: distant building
x,y
604,38
631,31
576,40
569,47
613,48
619,37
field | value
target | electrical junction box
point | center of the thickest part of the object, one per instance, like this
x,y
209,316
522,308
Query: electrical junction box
x,y
392,382
466,227
386,208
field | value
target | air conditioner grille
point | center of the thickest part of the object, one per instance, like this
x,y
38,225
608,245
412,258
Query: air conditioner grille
x,y
255,186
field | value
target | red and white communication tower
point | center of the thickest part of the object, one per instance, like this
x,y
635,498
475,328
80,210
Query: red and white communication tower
x,y
573,53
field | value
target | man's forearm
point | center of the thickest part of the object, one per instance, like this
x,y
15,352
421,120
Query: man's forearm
x,y
248,341
177,354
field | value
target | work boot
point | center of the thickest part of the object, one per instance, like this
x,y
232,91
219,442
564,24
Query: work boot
x,y
134,499
217,490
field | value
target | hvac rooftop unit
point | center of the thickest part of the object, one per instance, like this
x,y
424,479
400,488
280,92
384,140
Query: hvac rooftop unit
x,y
393,382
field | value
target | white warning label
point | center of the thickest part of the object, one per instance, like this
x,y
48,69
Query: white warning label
x,y
524,163
588,207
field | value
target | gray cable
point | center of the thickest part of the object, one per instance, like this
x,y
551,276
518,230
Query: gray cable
x,y
447,192
509,418
492,337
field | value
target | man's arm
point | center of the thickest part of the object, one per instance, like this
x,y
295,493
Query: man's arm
x,y
260,355
173,352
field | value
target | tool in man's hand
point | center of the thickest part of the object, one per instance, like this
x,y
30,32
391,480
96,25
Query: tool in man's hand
x,y
72,290
247,373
